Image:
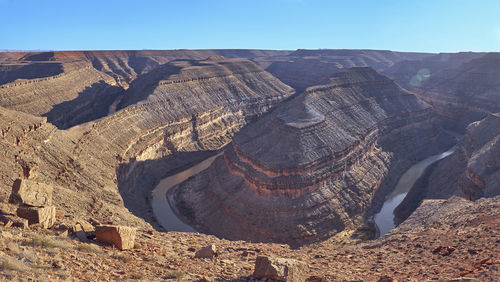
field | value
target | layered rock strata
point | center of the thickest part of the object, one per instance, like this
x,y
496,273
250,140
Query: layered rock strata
x,y
187,112
312,167
476,163
75,87
416,72
303,68
465,94
472,171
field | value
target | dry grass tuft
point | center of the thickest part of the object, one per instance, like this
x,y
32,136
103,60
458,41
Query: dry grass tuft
x,y
123,257
136,275
48,243
12,264
89,248
174,274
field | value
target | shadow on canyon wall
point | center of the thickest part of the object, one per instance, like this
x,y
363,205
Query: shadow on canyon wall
x,y
90,104
137,179
9,73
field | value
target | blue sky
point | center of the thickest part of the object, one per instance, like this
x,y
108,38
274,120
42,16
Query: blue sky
x,y
425,25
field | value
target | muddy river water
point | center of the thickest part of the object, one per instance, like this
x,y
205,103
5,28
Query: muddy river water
x,y
385,218
160,203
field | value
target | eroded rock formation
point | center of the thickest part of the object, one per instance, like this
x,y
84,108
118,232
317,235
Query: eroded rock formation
x,y
183,107
313,166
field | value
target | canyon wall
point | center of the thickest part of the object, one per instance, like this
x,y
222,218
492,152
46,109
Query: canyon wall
x,y
463,89
313,166
189,109
460,94
303,68
476,163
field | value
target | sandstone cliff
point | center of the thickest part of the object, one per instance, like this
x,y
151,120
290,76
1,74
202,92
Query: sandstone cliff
x,y
313,166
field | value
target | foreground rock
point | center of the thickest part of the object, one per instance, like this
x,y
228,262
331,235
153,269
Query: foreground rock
x,y
280,269
122,237
208,252
31,193
45,216
420,250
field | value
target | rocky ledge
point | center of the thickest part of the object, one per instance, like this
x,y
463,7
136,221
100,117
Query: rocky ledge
x,y
312,167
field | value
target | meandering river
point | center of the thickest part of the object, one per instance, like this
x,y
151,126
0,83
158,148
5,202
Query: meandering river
x,y
385,218
160,203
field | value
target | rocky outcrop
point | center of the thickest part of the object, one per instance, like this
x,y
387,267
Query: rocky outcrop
x,y
122,65
11,71
313,166
44,216
480,165
38,96
473,170
78,94
75,87
209,251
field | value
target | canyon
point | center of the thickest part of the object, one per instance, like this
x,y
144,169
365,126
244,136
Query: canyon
x,y
312,167
306,145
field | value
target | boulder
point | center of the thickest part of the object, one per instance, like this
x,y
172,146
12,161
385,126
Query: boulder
x,y
45,216
31,193
280,269
122,237
84,225
207,252
83,229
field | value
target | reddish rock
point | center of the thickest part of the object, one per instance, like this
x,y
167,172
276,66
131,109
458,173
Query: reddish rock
x,y
444,251
122,237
